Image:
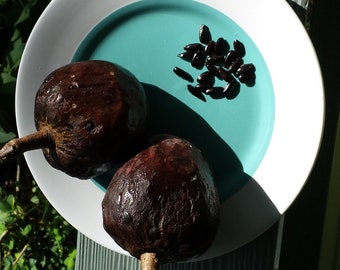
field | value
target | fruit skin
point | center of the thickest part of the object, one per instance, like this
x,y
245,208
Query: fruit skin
x,y
163,201
95,112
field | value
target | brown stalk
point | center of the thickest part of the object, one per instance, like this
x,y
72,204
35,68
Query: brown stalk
x,y
148,261
17,146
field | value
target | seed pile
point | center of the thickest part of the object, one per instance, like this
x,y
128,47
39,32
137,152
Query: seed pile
x,y
221,62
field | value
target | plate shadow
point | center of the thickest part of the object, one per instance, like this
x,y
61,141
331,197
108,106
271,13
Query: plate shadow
x,y
171,116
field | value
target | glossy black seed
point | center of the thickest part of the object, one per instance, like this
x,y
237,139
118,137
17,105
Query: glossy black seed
x,y
245,69
230,58
210,48
221,46
194,47
235,65
232,90
186,56
206,78
215,92
213,69
216,60
183,74
203,87
225,74
204,34
248,79
239,48
196,92
198,60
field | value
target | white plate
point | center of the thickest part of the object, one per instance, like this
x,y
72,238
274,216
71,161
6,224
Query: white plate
x,y
285,156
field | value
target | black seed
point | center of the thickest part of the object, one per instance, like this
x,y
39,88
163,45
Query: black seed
x,y
232,90
213,69
203,87
204,34
186,56
225,74
216,60
239,48
210,48
221,47
245,69
235,65
248,79
183,74
230,58
194,47
215,92
198,60
206,78
196,92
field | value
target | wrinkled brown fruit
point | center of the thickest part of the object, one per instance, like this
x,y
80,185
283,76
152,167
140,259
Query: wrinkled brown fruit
x,y
89,115
163,202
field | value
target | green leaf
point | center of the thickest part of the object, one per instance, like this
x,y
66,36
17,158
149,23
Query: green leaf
x,y
7,78
10,244
25,14
3,228
11,201
32,264
70,260
4,136
4,206
26,230
7,218
35,199
8,260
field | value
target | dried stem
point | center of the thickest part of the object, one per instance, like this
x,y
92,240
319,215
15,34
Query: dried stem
x,y
3,234
148,261
21,254
17,177
18,146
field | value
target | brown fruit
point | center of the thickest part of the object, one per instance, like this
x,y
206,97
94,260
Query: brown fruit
x,y
89,115
162,203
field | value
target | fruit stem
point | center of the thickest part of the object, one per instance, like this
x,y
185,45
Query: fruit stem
x,y
148,261
18,146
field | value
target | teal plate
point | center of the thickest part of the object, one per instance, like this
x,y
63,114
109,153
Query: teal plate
x,y
145,37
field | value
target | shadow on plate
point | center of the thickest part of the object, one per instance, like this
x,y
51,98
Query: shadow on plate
x,y
169,115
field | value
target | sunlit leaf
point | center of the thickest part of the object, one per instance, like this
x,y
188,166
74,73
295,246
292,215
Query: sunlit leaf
x,y
35,199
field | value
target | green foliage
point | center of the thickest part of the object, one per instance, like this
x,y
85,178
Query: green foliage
x,y
32,234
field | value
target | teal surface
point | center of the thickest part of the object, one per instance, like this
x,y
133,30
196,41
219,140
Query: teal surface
x,y
145,37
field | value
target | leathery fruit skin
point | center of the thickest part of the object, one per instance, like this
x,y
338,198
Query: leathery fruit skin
x,y
96,111
89,116
163,201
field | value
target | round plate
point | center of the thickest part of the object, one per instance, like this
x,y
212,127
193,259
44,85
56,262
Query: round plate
x,y
261,145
